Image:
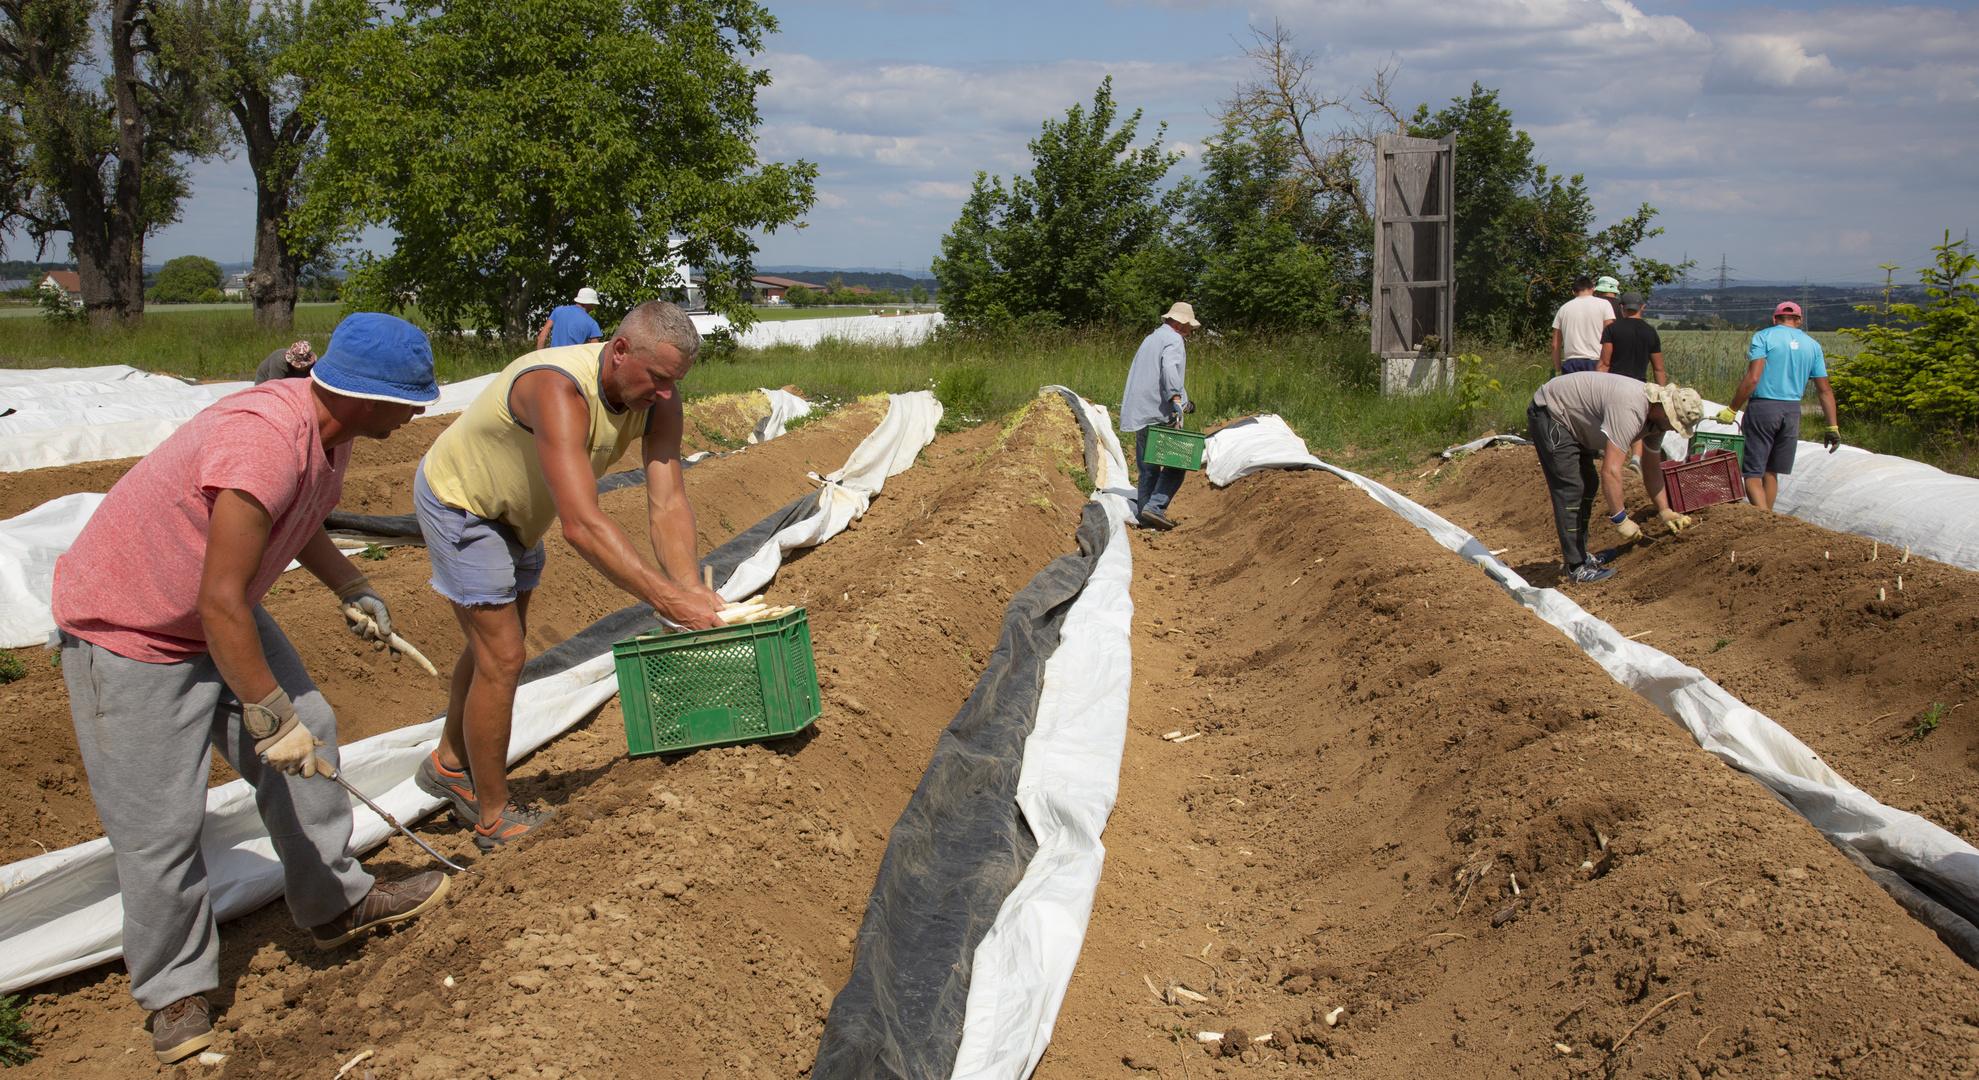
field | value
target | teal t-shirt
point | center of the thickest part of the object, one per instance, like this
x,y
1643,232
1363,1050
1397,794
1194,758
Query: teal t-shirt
x,y
1791,357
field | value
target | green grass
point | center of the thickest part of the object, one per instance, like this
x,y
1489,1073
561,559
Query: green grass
x,y
1324,385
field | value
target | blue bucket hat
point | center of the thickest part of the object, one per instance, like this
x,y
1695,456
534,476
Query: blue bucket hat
x,y
378,358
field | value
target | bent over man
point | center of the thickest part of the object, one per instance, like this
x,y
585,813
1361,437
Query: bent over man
x,y
1582,424
529,451
168,653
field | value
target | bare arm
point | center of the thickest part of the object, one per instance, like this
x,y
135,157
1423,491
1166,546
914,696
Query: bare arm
x,y
1557,346
330,566
1607,354
561,419
670,518
1750,383
1827,393
1652,470
236,538
1656,363
543,335
1613,462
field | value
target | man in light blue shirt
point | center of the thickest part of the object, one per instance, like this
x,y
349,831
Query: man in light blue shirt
x,y
572,323
1155,396
1783,359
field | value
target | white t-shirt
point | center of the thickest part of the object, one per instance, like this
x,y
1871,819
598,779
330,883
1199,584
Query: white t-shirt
x,y
1579,322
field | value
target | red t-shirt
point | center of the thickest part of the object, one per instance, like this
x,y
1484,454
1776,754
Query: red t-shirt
x,y
130,582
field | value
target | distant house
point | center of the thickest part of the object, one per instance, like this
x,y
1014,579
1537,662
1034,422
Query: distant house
x,y
235,286
68,281
771,290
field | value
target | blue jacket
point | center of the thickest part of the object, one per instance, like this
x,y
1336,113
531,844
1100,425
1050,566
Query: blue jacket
x,y
1159,366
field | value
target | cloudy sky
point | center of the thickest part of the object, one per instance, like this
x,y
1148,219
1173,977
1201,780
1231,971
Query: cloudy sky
x,y
1813,141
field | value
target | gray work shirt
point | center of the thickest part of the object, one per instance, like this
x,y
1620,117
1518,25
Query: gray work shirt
x,y
1159,365
1599,407
276,366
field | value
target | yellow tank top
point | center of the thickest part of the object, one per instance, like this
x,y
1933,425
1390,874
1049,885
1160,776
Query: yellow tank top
x,y
486,463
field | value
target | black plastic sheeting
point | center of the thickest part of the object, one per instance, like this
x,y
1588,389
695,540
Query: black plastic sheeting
x,y
408,524
958,849
639,618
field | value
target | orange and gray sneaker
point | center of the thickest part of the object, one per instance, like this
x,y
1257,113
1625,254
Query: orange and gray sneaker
x,y
387,902
514,824
181,1029
457,788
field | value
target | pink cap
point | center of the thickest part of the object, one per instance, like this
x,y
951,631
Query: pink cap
x,y
1788,308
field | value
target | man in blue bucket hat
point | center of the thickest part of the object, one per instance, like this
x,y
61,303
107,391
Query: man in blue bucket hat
x,y
168,655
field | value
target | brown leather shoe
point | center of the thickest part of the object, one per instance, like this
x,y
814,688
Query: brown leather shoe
x,y
181,1029
388,902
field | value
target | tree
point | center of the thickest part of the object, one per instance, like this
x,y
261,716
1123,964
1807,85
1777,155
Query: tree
x,y
920,295
1043,249
1521,229
522,150
1927,372
267,56
187,279
101,161
1268,254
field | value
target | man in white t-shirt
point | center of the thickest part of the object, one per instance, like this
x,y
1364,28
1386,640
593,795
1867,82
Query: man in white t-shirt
x,y
1577,329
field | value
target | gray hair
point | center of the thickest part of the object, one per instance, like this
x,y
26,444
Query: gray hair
x,y
655,323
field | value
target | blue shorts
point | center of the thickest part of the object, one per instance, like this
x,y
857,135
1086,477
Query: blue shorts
x,y
1772,433
476,561
1578,363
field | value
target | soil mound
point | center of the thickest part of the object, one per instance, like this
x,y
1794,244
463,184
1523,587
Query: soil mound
x,y
1388,742
1806,625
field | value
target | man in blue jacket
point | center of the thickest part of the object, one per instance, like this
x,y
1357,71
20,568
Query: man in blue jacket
x,y
1783,359
1155,396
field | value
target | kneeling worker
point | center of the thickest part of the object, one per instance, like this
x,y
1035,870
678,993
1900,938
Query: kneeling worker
x,y
529,451
164,638
1582,423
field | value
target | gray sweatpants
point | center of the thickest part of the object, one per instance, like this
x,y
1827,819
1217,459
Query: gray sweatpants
x,y
147,732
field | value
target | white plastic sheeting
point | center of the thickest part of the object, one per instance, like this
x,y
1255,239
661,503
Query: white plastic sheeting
x,y
62,912
64,416
1900,502
1067,788
784,407
29,546
1740,736
1260,442
864,329
845,494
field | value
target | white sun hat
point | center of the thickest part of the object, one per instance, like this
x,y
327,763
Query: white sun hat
x,y
586,295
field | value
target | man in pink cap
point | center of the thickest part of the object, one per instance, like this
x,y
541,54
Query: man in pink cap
x,y
1783,359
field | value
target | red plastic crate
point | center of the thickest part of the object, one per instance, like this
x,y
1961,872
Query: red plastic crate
x,y
1705,480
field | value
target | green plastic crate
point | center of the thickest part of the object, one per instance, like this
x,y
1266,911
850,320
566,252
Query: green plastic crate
x,y
1175,448
719,687
1705,441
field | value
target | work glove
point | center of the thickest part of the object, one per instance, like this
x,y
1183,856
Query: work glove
x,y
1726,416
1189,406
1673,521
279,738
1832,440
369,618
1629,529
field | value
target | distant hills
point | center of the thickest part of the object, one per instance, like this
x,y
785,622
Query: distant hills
x,y
865,277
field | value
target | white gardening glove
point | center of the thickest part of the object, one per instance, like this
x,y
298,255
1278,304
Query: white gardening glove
x,y
1629,529
279,738
369,618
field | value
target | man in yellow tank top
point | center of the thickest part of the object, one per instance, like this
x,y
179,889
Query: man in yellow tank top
x,y
527,452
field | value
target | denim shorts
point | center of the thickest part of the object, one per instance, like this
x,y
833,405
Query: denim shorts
x,y
1578,363
1772,434
476,561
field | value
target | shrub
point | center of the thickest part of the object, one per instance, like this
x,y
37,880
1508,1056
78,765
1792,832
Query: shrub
x,y
1926,371
11,668
16,1048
